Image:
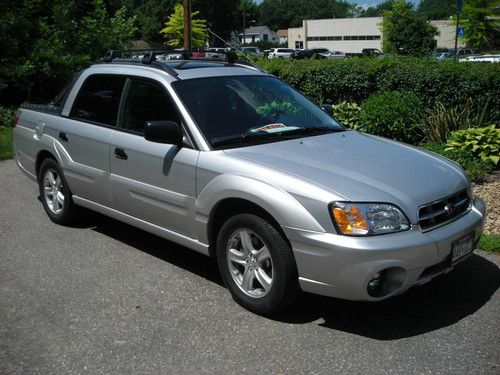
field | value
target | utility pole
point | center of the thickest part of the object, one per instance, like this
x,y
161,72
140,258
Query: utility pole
x,y
187,24
459,6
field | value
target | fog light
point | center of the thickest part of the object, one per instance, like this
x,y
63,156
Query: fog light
x,y
375,285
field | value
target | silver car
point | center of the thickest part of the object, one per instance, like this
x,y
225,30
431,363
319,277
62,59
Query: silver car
x,y
229,161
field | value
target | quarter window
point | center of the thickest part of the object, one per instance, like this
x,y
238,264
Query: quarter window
x,y
146,102
99,99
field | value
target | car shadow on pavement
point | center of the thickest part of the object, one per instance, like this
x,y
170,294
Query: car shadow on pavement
x,y
153,245
442,302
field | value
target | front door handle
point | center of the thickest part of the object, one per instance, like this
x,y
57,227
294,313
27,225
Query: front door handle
x,y
120,154
63,137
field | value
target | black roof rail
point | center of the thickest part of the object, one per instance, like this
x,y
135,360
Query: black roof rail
x,y
149,58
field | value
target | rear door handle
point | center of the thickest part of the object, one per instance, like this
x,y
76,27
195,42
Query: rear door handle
x,y
120,154
63,137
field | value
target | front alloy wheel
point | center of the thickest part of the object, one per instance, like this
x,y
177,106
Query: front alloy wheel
x,y
257,264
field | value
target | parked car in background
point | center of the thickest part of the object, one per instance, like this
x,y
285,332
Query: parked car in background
x,y
281,53
482,59
333,55
444,56
216,52
311,53
464,52
254,51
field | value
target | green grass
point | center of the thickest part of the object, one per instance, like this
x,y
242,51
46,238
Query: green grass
x,y
5,142
490,243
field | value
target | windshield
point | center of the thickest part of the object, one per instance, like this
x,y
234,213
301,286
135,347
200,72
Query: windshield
x,y
238,110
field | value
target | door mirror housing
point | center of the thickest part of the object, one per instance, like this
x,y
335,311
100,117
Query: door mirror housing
x,y
163,132
327,108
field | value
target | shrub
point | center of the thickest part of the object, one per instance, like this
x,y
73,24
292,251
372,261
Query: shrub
x,y
356,79
443,120
7,116
348,114
393,115
476,168
482,142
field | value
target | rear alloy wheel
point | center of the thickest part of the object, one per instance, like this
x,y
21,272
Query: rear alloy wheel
x,y
256,264
55,193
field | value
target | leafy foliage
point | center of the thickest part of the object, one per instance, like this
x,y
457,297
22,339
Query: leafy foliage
x,y
436,9
481,29
482,142
64,36
394,115
476,169
279,14
442,120
348,114
405,32
378,10
174,29
355,79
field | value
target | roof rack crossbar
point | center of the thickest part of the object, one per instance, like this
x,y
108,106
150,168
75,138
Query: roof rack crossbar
x,y
150,58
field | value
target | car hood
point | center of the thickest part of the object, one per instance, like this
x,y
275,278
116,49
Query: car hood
x,y
359,167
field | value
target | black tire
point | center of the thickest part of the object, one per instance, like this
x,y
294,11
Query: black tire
x,y
284,288
67,211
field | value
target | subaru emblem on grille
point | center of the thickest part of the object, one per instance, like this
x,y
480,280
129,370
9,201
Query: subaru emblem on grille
x,y
449,208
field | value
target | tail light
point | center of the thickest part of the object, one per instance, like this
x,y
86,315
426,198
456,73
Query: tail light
x,y
16,121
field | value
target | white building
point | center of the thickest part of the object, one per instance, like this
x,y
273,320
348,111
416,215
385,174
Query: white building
x,y
352,35
258,33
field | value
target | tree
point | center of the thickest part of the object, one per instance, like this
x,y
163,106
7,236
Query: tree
x,y
481,29
378,10
405,32
436,9
174,29
282,14
44,43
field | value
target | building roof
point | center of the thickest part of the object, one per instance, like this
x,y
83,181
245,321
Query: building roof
x,y
283,33
255,30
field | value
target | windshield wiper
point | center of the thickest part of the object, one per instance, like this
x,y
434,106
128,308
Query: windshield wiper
x,y
249,137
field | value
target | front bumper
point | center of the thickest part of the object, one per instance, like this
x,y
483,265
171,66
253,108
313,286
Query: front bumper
x,y
341,266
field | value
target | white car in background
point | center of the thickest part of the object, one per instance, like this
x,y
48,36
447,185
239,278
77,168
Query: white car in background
x,y
281,53
333,55
482,58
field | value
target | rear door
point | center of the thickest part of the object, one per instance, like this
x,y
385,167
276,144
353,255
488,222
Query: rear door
x,y
151,181
85,134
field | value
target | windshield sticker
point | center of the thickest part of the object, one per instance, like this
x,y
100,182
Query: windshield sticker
x,y
274,128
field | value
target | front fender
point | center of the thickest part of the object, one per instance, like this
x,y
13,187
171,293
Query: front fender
x,y
283,207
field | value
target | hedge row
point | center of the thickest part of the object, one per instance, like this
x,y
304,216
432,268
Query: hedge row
x,y
354,80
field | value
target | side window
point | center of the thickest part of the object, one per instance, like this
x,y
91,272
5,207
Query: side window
x,y
99,99
146,102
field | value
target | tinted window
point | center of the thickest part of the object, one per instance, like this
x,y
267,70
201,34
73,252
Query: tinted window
x,y
231,106
146,102
99,99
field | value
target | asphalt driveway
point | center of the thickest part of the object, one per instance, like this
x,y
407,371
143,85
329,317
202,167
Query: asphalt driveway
x,y
103,297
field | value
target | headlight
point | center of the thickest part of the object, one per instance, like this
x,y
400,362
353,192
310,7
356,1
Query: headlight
x,y
365,219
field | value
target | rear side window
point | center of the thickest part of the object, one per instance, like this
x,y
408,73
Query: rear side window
x,y
99,99
146,102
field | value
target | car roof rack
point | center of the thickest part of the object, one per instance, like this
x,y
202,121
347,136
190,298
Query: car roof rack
x,y
150,58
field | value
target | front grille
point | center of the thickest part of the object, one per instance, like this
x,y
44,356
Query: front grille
x,y
444,210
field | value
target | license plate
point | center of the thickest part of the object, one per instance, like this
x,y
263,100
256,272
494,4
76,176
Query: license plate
x,y
461,247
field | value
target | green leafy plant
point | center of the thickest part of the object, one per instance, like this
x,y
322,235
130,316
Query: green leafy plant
x,y
348,114
482,142
442,120
490,243
174,28
476,169
355,80
393,115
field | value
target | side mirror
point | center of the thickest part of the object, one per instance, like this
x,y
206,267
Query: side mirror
x,y
327,108
163,132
